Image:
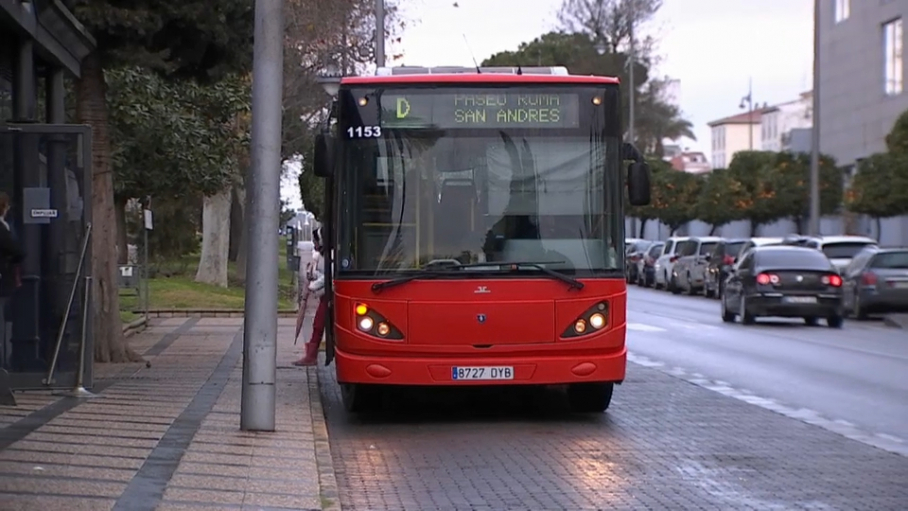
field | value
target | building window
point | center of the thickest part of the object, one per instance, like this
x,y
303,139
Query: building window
x,y
892,47
842,10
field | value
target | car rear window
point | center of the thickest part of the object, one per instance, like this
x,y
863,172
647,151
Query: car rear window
x,y
656,250
707,248
805,259
894,260
733,249
844,250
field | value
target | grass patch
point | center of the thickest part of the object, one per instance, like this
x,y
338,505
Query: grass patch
x,y
172,286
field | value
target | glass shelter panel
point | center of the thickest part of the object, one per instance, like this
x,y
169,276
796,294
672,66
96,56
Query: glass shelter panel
x,y
45,170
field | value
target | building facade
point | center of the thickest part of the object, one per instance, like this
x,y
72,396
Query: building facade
x,y
733,134
862,86
778,121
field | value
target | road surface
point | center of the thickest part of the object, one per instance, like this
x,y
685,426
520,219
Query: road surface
x,y
854,380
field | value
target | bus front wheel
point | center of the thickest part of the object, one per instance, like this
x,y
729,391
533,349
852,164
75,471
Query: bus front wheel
x,y
358,397
590,397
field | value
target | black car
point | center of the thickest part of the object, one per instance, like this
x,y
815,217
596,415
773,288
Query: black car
x,y
783,281
720,261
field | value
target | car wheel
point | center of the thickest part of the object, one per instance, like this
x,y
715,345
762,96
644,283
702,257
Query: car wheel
x,y
859,313
835,321
673,286
746,317
811,320
691,290
728,317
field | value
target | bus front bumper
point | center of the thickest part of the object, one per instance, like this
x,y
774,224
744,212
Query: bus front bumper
x,y
500,370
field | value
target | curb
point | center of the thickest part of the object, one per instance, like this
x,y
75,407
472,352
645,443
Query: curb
x,y
134,327
208,313
327,480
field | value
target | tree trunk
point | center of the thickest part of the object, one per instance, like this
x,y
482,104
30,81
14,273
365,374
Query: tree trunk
x,y
241,253
215,239
109,343
879,229
122,238
236,224
712,229
754,228
642,227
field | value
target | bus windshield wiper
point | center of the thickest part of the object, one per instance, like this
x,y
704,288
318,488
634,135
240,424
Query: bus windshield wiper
x,y
427,272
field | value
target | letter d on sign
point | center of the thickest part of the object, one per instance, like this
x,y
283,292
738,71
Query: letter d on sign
x,y
403,108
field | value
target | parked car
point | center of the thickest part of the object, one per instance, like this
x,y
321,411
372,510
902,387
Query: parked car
x,y
633,253
690,269
720,261
785,281
760,242
839,249
876,281
663,268
646,265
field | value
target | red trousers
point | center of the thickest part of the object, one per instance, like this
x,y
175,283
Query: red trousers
x,y
318,322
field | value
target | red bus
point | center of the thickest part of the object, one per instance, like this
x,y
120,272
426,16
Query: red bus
x,y
476,225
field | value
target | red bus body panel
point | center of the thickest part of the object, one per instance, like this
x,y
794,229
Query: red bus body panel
x,y
523,321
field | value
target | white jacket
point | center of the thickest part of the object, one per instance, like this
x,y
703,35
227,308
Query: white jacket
x,y
317,275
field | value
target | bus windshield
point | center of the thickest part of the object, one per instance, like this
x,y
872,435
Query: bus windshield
x,y
410,199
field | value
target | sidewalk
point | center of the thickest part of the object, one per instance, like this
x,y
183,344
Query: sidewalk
x,y
167,437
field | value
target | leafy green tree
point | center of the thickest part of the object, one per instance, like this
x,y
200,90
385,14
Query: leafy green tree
x,y
761,203
675,202
791,172
720,198
657,118
194,39
897,139
879,189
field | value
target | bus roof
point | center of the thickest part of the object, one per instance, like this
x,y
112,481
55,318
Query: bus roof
x,y
428,75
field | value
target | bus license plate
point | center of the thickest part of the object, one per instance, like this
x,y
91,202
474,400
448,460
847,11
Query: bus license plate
x,y
482,373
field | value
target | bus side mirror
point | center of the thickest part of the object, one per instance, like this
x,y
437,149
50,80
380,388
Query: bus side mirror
x,y
323,155
638,184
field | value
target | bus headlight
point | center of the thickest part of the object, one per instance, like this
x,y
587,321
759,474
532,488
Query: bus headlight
x,y
372,323
365,323
592,320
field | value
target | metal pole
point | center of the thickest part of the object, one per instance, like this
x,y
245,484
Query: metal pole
x,y
79,388
380,33
257,405
631,95
814,227
750,118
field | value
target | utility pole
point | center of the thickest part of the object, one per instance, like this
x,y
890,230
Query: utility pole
x,y
257,405
814,227
380,33
749,99
632,99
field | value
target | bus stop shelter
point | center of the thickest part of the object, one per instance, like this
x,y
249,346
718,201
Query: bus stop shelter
x,y
45,168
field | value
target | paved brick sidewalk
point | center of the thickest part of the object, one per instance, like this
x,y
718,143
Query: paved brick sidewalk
x,y
167,437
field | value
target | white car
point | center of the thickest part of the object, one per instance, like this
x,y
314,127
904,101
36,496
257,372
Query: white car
x,y
838,249
663,268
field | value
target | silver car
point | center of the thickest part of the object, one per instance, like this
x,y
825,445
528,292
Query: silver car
x,y
876,281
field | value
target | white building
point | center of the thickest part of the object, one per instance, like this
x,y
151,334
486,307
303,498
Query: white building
x,y
730,135
777,121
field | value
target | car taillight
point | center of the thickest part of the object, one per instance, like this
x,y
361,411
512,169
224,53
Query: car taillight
x,y
728,260
832,280
765,279
868,278
672,259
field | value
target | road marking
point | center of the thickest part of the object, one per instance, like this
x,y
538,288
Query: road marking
x,y
640,327
882,441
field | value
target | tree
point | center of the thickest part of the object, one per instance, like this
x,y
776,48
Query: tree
x,y
720,198
195,39
657,118
609,21
791,172
760,203
897,139
676,195
879,189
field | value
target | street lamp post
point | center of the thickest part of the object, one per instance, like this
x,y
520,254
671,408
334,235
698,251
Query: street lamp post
x,y
749,100
814,227
380,33
257,404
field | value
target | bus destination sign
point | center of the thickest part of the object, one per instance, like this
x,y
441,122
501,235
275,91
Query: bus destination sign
x,y
480,110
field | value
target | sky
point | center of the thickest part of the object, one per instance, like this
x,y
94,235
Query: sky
x,y
715,48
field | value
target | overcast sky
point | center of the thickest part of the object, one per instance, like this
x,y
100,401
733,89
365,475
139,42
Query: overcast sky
x,y
714,47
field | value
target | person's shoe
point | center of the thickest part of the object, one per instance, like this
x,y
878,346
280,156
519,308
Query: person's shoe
x,y
311,357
